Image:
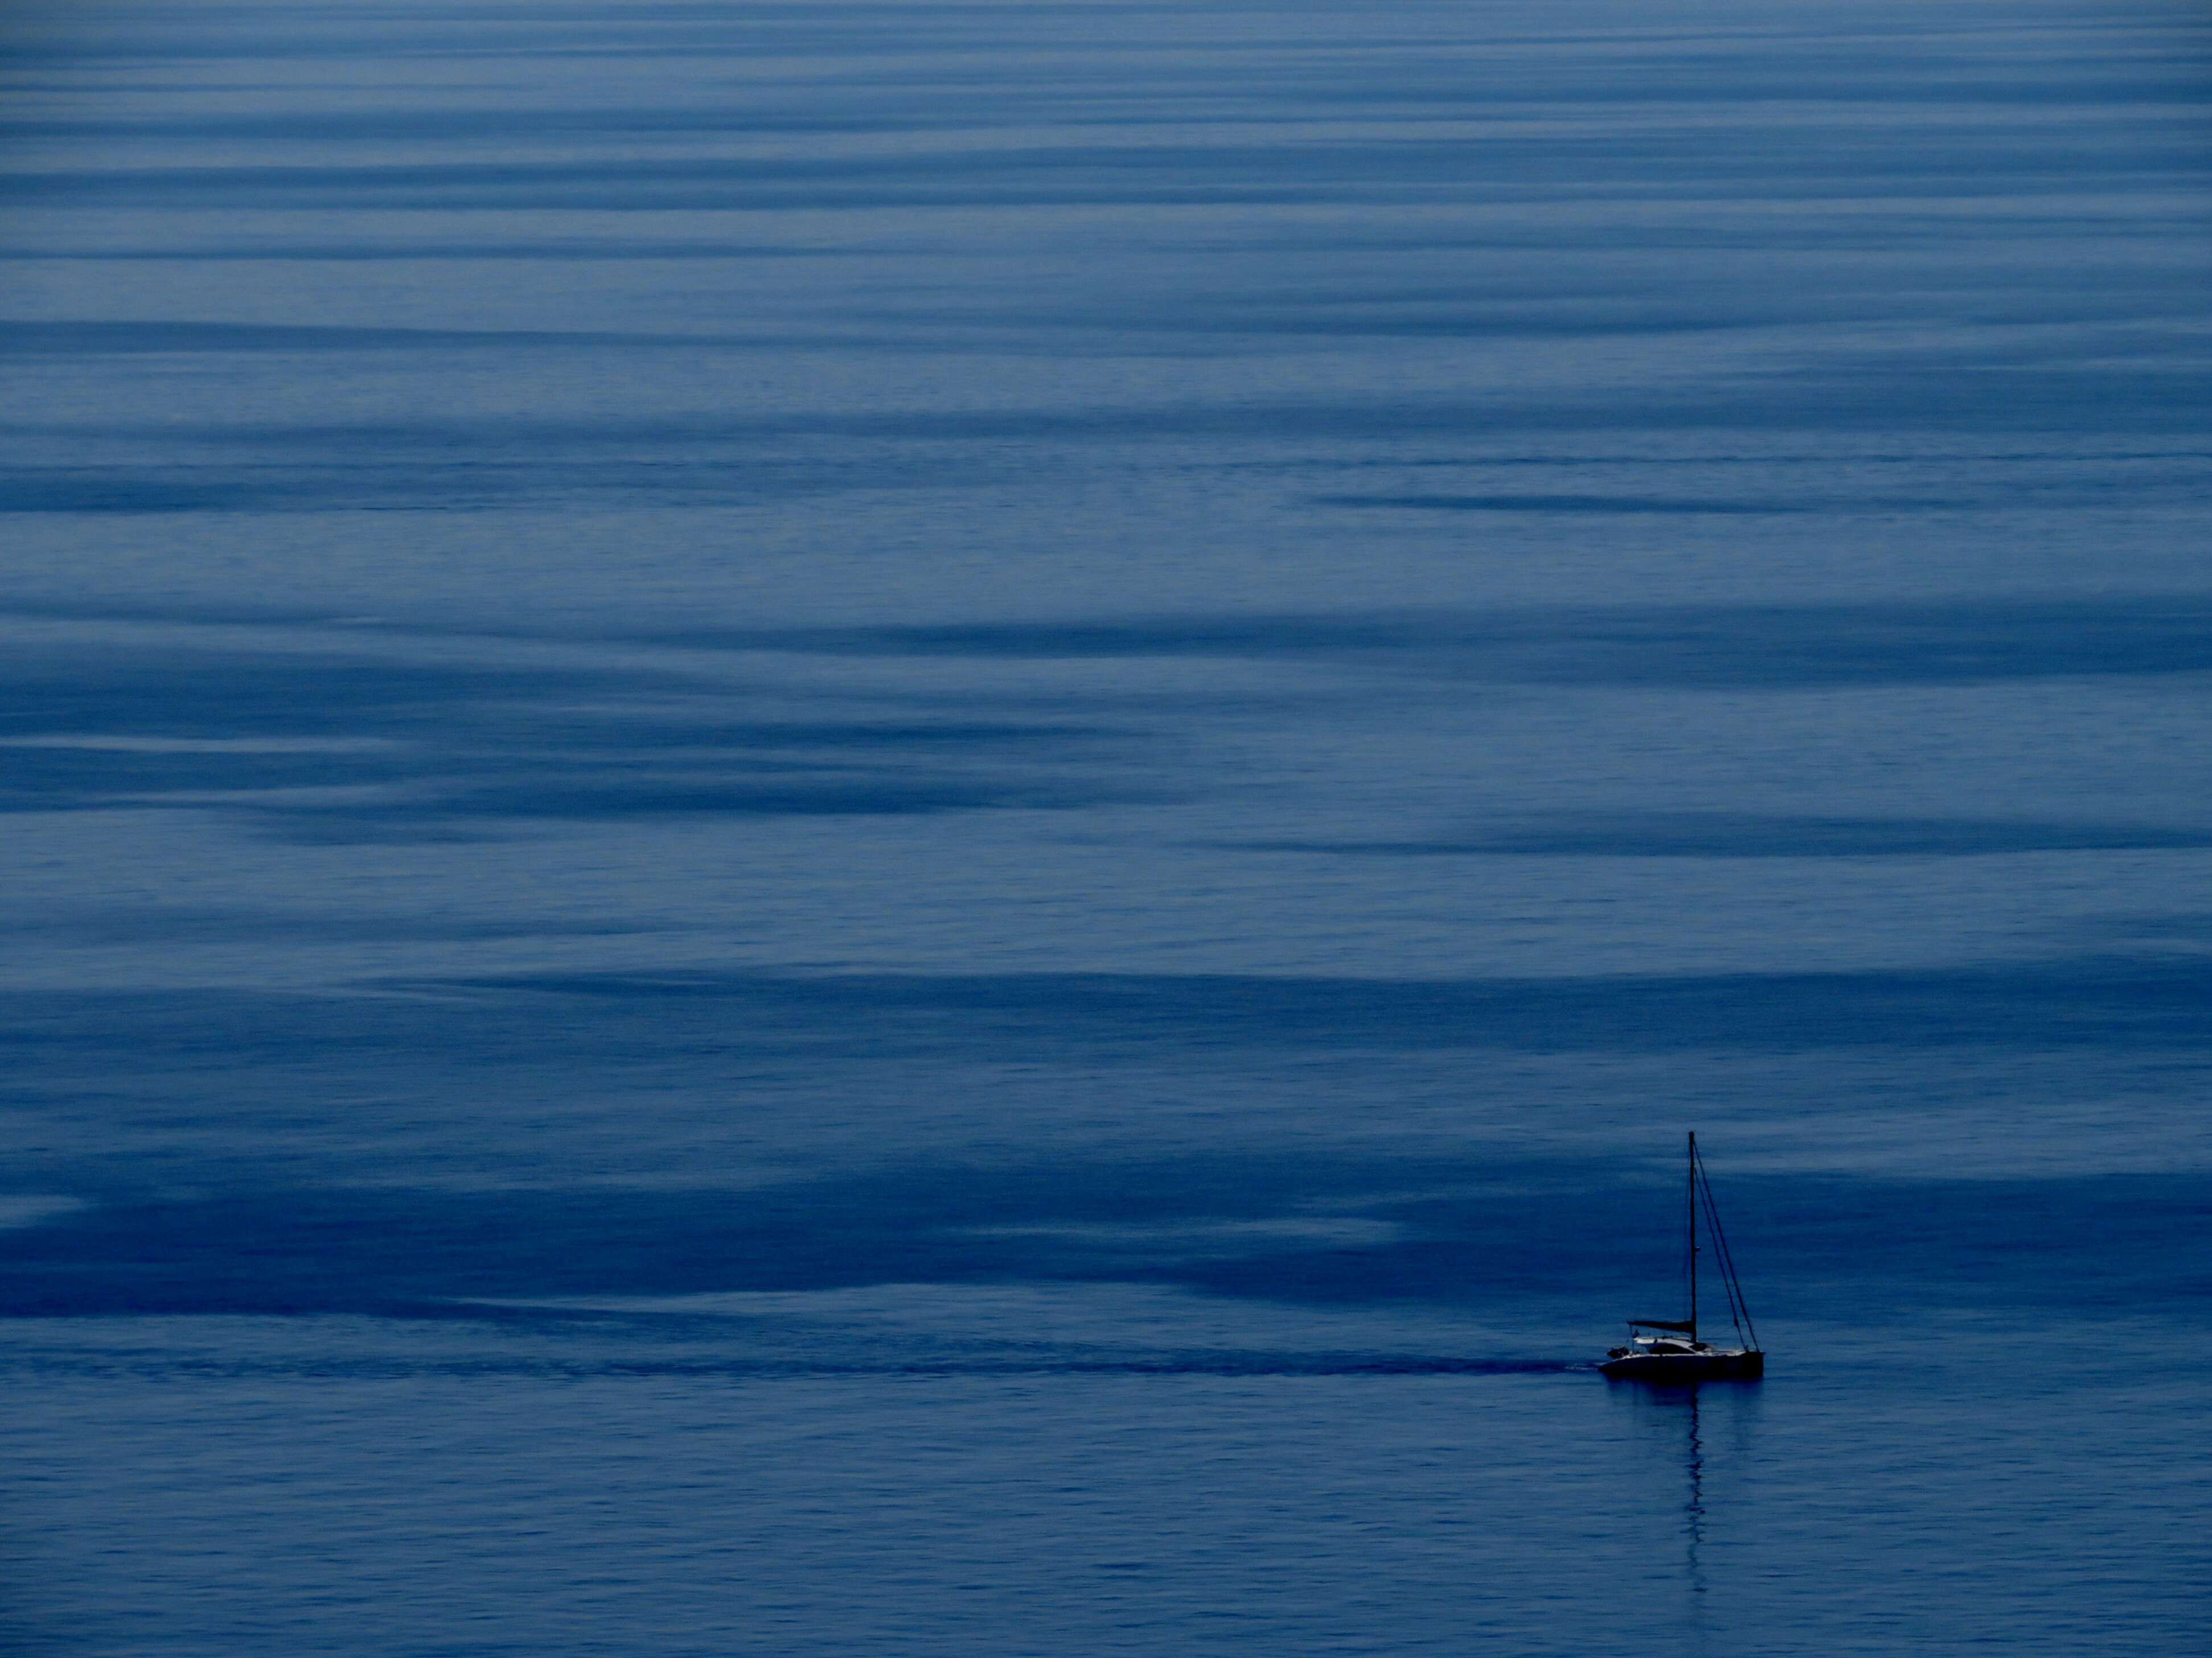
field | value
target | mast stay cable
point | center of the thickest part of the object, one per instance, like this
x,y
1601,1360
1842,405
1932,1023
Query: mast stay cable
x,y
1739,1309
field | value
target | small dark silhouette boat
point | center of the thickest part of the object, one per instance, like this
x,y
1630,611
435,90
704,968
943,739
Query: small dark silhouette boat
x,y
1672,1352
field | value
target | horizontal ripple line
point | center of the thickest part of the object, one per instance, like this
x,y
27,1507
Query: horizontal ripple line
x,y
1205,1365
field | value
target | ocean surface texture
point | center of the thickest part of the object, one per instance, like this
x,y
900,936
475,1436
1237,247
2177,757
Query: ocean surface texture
x,y
912,828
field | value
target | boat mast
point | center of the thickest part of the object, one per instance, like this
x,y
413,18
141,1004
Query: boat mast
x,y
1693,1234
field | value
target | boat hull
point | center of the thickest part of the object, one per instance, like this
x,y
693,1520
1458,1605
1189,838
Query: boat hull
x,y
1673,1369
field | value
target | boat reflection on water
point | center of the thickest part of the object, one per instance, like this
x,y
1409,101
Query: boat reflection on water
x,y
1672,1355
1694,1511
1711,1429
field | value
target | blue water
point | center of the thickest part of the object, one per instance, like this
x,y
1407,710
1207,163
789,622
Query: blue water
x,y
914,829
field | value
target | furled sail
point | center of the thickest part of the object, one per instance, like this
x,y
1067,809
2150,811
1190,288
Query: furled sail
x,y
1687,1326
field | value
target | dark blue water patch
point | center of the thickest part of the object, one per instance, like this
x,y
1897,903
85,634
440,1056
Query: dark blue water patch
x,y
250,35
1452,1233
378,249
1897,400
1384,318
1810,1245
410,747
156,1366
1573,504
497,128
235,1057
2096,1001
100,689
1754,834
169,926
2154,394
2044,461
1779,646
36,778
1072,176
1828,154
423,807
560,793
2177,927
480,482
96,337
1558,296
112,489
1694,74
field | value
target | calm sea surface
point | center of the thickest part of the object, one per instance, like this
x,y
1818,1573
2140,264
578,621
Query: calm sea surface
x,y
914,829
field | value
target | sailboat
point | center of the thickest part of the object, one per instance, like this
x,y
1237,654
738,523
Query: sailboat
x,y
1672,1351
